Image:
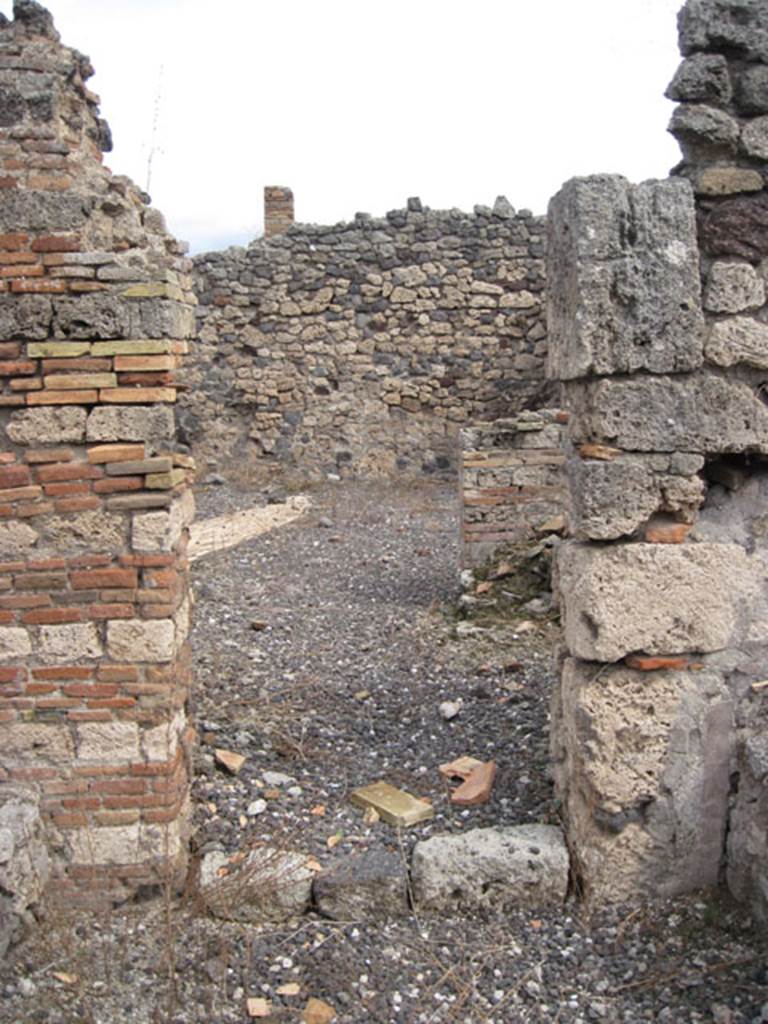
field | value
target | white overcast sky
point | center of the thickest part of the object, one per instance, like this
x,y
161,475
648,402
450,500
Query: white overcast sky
x,y
357,104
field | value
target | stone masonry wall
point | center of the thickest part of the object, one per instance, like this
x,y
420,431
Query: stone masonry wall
x,y
659,331
511,481
95,310
362,347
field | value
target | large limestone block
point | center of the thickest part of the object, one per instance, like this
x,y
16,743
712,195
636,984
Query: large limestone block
x,y
69,643
149,423
701,412
34,744
92,530
126,844
642,766
740,26
491,867
612,499
623,278
16,539
141,640
656,598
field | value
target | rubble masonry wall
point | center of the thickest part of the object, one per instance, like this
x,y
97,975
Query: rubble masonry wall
x,y
362,347
658,332
95,312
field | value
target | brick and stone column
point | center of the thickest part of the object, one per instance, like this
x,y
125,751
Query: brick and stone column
x,y
278,210
656,328
95,313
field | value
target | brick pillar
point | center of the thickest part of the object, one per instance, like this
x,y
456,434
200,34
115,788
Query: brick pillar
x,y
278,210
95,312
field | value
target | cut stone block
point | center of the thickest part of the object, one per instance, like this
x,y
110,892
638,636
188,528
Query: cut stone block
x,y
24,862
138,640
623,279
107,742
69,643
46,426
702,412
131,423
14,643
657,598
612,499
394,806
491,867
642,766
370,885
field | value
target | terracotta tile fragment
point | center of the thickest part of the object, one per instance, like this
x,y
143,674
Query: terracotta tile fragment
x,y
653,663
476,788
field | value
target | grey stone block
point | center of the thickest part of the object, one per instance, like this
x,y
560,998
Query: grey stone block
x,y
47,425
702,412
738,339
733,288
373,884
270,885
151,423
491,867
623,280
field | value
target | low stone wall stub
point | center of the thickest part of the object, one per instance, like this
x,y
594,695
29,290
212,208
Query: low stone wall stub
x,y
511,482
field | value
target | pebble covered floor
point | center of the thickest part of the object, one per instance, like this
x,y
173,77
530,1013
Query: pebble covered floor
x,y
323,651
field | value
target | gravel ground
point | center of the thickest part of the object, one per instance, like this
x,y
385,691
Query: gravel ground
x,y
323,652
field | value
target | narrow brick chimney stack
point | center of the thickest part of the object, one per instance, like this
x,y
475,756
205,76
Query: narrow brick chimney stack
x,y
278,210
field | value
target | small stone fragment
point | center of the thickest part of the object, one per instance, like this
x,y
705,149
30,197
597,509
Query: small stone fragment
x,y
258,1007
318,1012
291,988
476,788
229,759
394,806
450,708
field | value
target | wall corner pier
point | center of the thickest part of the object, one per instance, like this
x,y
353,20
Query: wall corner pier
x,y
657,309
96,310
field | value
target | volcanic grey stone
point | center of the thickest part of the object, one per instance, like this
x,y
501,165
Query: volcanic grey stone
x,y
752,89
491,867
657,598
47,425
26,317
131,423
623,278
373,884
734,25
754,138
703,130
738,339
701,78
700,412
